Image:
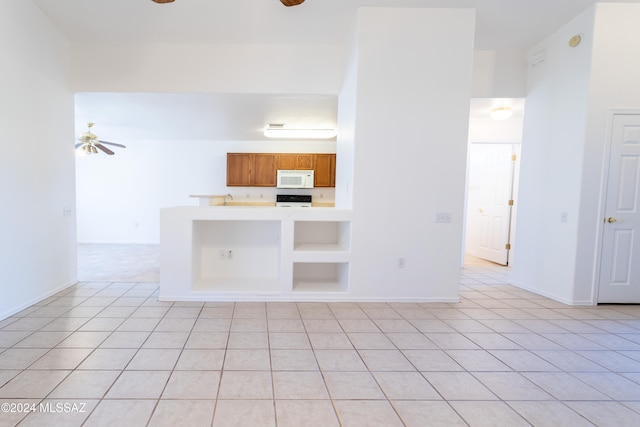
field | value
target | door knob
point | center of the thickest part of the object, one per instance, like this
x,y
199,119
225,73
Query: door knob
x,y
611,220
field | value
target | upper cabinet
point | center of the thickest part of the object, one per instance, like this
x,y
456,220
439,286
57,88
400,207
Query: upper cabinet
x,y
292,161
251,170
260,169
238,169
325,170
305,161
264,170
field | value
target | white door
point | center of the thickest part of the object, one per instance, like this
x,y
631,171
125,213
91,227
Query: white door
x,y
620,263
490,187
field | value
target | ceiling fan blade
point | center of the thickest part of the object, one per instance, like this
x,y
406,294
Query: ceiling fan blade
x,y
79,144
112,143
103,148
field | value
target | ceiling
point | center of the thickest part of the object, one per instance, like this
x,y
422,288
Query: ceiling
x,y
501,24
205,116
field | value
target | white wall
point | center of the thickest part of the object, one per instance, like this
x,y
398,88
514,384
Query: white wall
x,y
614,84
499,74
166,175
411,98
551,168
119,197
570,98
397,109
37,243
182,67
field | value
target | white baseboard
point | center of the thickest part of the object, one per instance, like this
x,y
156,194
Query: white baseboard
x,y
36,300
552,296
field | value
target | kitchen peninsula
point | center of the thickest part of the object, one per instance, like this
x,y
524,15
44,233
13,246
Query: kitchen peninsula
x,y
213,253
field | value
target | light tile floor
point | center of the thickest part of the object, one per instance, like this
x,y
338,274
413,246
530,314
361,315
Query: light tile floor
x,y
108,353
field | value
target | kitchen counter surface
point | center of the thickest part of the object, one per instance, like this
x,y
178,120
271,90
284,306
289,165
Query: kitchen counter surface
x,y
255,212
219,201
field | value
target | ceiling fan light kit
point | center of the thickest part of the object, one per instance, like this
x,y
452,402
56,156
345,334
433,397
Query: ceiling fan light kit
x,y
290,3
89,143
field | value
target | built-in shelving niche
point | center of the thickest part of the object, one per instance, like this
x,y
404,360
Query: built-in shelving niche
x,y
330,236
321,252
236,256
320,277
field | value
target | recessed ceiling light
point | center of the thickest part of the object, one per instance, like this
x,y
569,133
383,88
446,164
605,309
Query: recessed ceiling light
x,y
501,113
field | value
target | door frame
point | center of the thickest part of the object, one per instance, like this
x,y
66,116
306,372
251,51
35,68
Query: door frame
x,y
602,199
515,176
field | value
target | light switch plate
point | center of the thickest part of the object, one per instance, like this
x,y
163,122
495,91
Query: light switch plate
x,y
443,217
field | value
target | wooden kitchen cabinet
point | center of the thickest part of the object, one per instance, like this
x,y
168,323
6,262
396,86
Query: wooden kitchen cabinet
x,y
304,161
238,169
286,161
325,170
260,169
251,170
263,170
293,161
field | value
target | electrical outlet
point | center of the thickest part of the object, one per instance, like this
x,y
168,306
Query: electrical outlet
x,y
229,254
443,217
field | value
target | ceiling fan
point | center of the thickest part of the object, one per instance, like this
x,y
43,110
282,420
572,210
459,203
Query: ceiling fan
x,y
89,143
287,3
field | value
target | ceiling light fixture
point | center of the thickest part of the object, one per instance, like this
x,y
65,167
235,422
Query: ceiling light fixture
x,y
279,131
163,1
501,113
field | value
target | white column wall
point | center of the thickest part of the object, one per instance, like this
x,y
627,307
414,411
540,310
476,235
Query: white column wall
x,y
412,96
37,240
614,84
571,96
551,167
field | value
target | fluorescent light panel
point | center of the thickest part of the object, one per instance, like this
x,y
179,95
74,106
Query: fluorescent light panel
x,y
275,131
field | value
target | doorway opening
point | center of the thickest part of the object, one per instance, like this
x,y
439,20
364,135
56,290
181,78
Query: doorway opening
x,y
492,182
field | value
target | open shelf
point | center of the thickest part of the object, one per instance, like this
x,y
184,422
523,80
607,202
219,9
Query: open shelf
x,y
322,236
236,256
320,277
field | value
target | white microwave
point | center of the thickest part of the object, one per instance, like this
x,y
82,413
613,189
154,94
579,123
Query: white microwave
x,y
295,179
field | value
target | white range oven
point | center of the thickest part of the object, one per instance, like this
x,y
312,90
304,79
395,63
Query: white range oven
x,y
293,201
